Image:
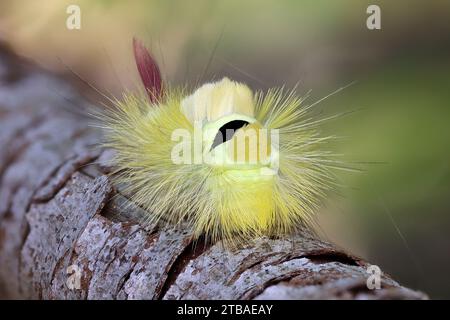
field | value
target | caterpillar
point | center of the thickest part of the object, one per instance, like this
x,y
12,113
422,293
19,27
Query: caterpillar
x,y
230,163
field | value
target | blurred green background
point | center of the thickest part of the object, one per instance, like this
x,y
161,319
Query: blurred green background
x,y
396,211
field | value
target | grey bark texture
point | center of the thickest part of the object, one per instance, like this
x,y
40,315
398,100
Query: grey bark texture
x,y
58,209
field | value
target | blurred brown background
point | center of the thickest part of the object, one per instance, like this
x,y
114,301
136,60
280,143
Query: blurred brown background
x,y
396,213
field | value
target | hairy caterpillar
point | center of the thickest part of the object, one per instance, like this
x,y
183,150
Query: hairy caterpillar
x,y
231,163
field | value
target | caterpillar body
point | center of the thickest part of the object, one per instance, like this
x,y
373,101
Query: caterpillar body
x,y
230,163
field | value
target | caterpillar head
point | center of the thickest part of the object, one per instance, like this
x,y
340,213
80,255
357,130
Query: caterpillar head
x,y
232,138
231,163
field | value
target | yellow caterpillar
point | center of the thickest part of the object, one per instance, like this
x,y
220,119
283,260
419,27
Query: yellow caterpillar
x,y
231,163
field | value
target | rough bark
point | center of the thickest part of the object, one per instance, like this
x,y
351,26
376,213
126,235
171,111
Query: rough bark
x,y
58,208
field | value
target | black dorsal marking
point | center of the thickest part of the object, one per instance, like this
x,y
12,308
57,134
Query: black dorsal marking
x,y
227,131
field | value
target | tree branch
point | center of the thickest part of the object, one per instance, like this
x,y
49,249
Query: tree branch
x,y
58,209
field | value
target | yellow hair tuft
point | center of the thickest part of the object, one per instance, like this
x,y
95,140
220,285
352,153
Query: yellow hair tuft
x,y
222,198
